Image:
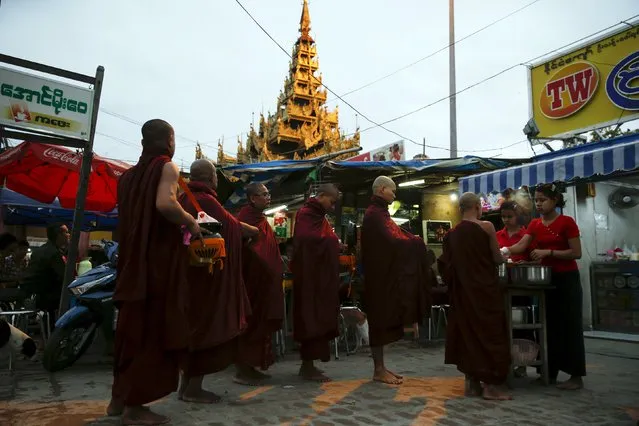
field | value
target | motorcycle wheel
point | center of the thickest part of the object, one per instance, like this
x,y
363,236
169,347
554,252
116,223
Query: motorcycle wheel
x,y
67,344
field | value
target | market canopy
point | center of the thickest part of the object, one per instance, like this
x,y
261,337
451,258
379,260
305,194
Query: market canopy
x,y
289,177
282,178
18,209
433,171
581,162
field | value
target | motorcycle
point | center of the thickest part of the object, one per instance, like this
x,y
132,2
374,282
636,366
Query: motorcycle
x,y
92,300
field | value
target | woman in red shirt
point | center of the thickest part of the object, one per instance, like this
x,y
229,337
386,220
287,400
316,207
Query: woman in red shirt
x,y
510,235
512,232
558,245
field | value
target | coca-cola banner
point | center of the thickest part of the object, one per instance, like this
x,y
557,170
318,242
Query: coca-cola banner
x,y
28,155
31,102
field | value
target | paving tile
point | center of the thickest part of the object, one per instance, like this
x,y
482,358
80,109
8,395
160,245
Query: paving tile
x,y
432,394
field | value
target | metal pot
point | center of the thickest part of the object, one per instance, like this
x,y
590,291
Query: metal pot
x,y
530,274
502,273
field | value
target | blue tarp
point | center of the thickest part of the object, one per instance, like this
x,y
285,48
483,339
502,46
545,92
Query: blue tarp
x,y
273,174
456,165
20,210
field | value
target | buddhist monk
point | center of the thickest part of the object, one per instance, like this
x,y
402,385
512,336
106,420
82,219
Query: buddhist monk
x,y
477,339
315,268
396,281
151,329
262,268
218,303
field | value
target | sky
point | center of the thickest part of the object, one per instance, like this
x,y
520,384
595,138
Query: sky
x,y
206,67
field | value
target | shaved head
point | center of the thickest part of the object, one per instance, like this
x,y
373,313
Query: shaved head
x,y
158,138
381,182
254,188
384,188
327,195
203,170
258,195
328,189
468,201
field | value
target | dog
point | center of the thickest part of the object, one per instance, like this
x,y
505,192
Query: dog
x,y
16,340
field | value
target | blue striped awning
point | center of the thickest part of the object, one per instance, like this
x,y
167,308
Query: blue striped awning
x,y
586,161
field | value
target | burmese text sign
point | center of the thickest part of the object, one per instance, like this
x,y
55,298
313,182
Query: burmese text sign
x,y
29,102
587,88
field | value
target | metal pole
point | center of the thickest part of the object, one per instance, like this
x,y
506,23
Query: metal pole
x,y
83,185
453,88
424,147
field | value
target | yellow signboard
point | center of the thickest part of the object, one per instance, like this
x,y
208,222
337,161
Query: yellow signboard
x,y
587,88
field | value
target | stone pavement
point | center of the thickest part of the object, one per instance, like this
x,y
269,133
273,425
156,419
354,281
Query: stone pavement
x,y
431,395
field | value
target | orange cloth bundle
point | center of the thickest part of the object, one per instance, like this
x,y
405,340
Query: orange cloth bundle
x,y
211,249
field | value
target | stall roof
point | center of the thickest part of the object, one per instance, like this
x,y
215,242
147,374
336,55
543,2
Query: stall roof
x,y
581,162
21,210
289,174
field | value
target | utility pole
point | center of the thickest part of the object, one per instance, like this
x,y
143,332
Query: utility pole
x,y
452,85
424,147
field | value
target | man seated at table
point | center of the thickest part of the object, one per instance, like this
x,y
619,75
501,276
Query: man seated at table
x,y
477,338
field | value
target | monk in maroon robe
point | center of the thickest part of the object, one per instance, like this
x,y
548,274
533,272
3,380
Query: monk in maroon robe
x,y
315,268
218,302
262,269
477,339
396,280
150,292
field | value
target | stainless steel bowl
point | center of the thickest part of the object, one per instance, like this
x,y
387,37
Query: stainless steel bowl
x,y
530,274
502,273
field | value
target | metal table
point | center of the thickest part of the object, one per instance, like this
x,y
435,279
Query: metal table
x,y
539,291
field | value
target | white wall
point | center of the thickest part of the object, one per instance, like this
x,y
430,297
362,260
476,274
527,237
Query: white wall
x,y
623,228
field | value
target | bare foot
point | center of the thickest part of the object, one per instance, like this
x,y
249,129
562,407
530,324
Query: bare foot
x,y
142,417
574,383
472,387
387,377
314,375
115,408
201,397
494,394
396,375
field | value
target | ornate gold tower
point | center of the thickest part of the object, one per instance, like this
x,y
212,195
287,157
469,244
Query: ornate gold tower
x,y
302,127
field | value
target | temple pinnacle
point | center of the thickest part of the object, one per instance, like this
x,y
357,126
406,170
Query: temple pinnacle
x,y
305,21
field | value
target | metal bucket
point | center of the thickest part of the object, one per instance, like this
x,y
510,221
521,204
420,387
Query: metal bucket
x,y
530,274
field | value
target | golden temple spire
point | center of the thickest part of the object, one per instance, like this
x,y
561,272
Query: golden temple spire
x,y
301,126
305,22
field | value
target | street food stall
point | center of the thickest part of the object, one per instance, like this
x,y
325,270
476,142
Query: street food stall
x,y
601,181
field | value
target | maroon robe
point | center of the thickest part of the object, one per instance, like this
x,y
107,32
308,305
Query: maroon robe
x,y
150,290
262,269
396,280
315,267
477,334
218,303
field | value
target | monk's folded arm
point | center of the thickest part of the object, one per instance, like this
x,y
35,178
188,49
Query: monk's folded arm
x,y
166,199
